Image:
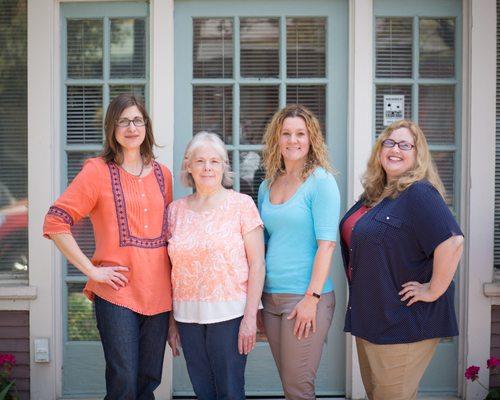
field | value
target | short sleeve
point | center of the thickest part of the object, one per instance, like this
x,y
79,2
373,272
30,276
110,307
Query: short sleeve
x,y
250,218
326,207
76,202
432,220
170,220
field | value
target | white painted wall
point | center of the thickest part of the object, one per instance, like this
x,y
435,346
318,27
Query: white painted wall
x,y
480,131
42,167
360,122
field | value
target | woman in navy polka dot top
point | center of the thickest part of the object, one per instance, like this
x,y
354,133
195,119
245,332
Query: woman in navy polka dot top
x,y
401,247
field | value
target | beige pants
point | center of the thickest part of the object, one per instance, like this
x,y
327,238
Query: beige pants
x,y
297,360
393,371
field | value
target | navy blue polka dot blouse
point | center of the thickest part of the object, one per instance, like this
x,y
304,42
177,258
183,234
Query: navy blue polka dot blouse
x,y
392,244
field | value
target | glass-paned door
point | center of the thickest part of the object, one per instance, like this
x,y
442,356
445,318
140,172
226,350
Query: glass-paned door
x,y
104,53
236,63
418,56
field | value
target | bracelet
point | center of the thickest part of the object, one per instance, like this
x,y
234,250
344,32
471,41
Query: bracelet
x,y
313,294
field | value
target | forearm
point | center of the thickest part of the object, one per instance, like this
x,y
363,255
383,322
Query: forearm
x,y
321,266
446,258
255,285
67,245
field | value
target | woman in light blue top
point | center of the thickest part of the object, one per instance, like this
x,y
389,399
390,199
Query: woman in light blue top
x,y
299,203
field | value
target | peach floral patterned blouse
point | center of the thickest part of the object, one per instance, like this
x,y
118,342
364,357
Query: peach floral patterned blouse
x,y
129,216
209,263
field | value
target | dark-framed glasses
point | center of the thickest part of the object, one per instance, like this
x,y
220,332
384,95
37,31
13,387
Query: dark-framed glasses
x,y
403,145
125,122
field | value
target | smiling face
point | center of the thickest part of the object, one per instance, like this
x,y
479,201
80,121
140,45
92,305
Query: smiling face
x,y
294,139
131,137
206,166
395,161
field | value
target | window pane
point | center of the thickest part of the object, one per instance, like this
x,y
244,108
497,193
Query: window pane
x,y
313,97
257,106
437,47
13,143
259,47
437,113
81,320
306,47
85,48
251,173
212,110
212,47
136,90
84,115
82,230
128,48
445,163
382,90
394,38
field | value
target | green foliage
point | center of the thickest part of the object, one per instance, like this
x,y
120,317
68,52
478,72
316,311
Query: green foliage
x,y
81,321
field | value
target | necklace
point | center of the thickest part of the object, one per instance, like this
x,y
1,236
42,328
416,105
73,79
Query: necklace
x,y
140,173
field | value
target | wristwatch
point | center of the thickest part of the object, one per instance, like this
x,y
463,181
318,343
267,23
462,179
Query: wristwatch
x,y
313,294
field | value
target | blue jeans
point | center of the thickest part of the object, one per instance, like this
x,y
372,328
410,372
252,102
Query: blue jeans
x,y
134,345
216,369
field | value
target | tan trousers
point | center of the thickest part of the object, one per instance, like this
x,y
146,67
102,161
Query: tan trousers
x,y
393,371
297,360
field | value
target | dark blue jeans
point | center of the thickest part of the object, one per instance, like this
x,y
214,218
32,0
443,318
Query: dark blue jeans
x,y
216,369
134,345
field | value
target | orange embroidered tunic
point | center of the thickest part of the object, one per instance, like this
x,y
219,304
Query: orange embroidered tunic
x,y
129,217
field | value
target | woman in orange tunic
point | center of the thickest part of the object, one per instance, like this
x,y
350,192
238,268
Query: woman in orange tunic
x,y
125,193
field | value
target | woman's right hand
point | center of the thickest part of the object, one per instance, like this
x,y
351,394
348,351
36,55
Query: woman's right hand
x,y
109,275
173,338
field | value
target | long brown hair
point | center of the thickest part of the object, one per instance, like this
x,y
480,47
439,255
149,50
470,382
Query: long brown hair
x,y
375,179
318,152
112,150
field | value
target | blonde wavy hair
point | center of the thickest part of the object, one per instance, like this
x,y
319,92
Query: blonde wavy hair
x,y
318,152
375,179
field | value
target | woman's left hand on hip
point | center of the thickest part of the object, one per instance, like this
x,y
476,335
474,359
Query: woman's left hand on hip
x,y
416,291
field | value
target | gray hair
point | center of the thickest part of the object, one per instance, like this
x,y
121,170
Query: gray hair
x,y
199,140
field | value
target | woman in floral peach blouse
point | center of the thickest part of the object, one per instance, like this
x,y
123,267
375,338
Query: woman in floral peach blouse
x,y
216,246
125,193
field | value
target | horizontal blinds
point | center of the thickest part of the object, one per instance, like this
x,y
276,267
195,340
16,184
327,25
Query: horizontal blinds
x,y
313,97
128,48
212,47
259,47
84,115
393,47
257,106
213,110
251,173
445,164
84,48
437,47
306,47
13,142
436,115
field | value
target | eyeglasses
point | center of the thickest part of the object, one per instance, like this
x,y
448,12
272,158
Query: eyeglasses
x,y
405,146
125,122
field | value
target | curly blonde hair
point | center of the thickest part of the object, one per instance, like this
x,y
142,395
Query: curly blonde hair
x,y
318,152
375,179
